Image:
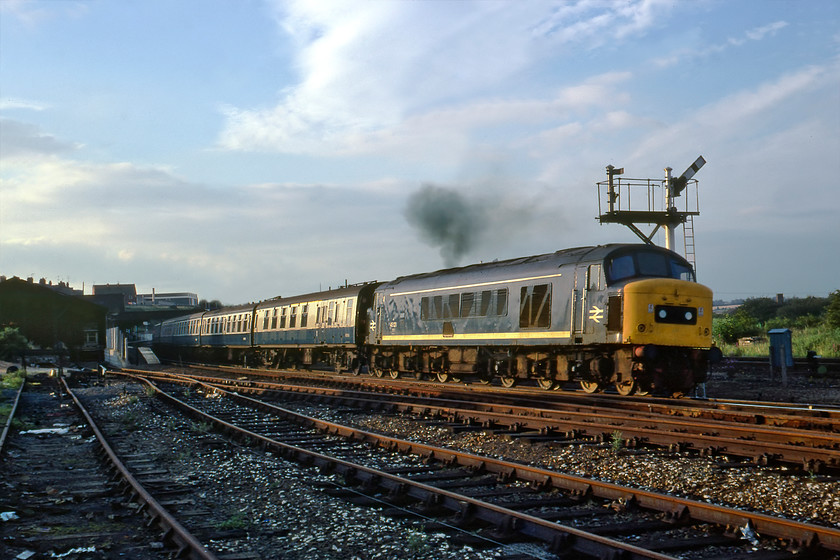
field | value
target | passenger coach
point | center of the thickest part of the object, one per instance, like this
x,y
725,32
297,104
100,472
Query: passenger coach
x,y
324,328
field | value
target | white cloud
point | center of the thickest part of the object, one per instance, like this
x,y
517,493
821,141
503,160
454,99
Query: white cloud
x,y
376,70
33,13
11,103
725,120
755,34
19,139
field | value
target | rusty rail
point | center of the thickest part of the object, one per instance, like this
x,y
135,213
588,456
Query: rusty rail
x,y
674,507
188,545
11,417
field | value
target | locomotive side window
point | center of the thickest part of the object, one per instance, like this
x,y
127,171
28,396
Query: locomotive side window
x,y
468,304
501,302
594,276
484,303
535,306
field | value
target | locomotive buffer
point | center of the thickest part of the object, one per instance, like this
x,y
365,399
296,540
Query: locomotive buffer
x,y
653,201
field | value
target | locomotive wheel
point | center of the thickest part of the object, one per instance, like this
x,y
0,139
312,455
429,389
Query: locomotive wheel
x,y
485,379
545,383
443,376
376,371
508,381
590,386
625,387
394,373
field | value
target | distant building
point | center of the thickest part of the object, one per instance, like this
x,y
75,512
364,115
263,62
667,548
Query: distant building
x,y
171,299
114,296
48,317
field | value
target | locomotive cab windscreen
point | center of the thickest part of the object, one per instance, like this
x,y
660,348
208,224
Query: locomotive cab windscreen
x,y
646,262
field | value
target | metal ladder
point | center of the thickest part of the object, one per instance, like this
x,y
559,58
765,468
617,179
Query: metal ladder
x,y
688,231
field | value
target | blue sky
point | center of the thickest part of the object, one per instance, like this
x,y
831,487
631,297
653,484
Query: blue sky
x,y
246,149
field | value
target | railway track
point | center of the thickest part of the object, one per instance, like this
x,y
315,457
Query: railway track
x,y
801,436
484,491
67,493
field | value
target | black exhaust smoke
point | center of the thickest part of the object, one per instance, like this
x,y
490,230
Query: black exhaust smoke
x,y
446,219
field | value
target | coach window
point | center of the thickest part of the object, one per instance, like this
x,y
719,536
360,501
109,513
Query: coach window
x,y
535,307
349,312
293,317
331,314
304,315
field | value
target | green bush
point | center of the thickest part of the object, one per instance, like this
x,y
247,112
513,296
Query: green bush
x,y
12,380
814,324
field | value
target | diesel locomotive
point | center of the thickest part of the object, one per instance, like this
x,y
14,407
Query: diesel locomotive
x,y
628,315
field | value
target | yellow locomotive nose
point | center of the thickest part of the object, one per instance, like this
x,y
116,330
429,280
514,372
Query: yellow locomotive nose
x,y
667,312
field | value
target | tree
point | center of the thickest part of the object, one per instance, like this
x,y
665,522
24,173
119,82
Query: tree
x,y
210,305
832,311
760,309
12,343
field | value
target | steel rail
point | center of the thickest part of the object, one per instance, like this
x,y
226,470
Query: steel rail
x,y
811,449
11,417
173,531
817,416
803,534
559,537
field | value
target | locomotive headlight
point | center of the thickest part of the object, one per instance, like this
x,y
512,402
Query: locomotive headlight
x,y
663,314
689,316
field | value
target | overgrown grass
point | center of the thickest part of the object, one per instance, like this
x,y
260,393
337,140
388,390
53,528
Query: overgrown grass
x,y
12,380
822,340
236,521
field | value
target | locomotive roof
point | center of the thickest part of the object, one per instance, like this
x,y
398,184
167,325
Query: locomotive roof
x,y
595,253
